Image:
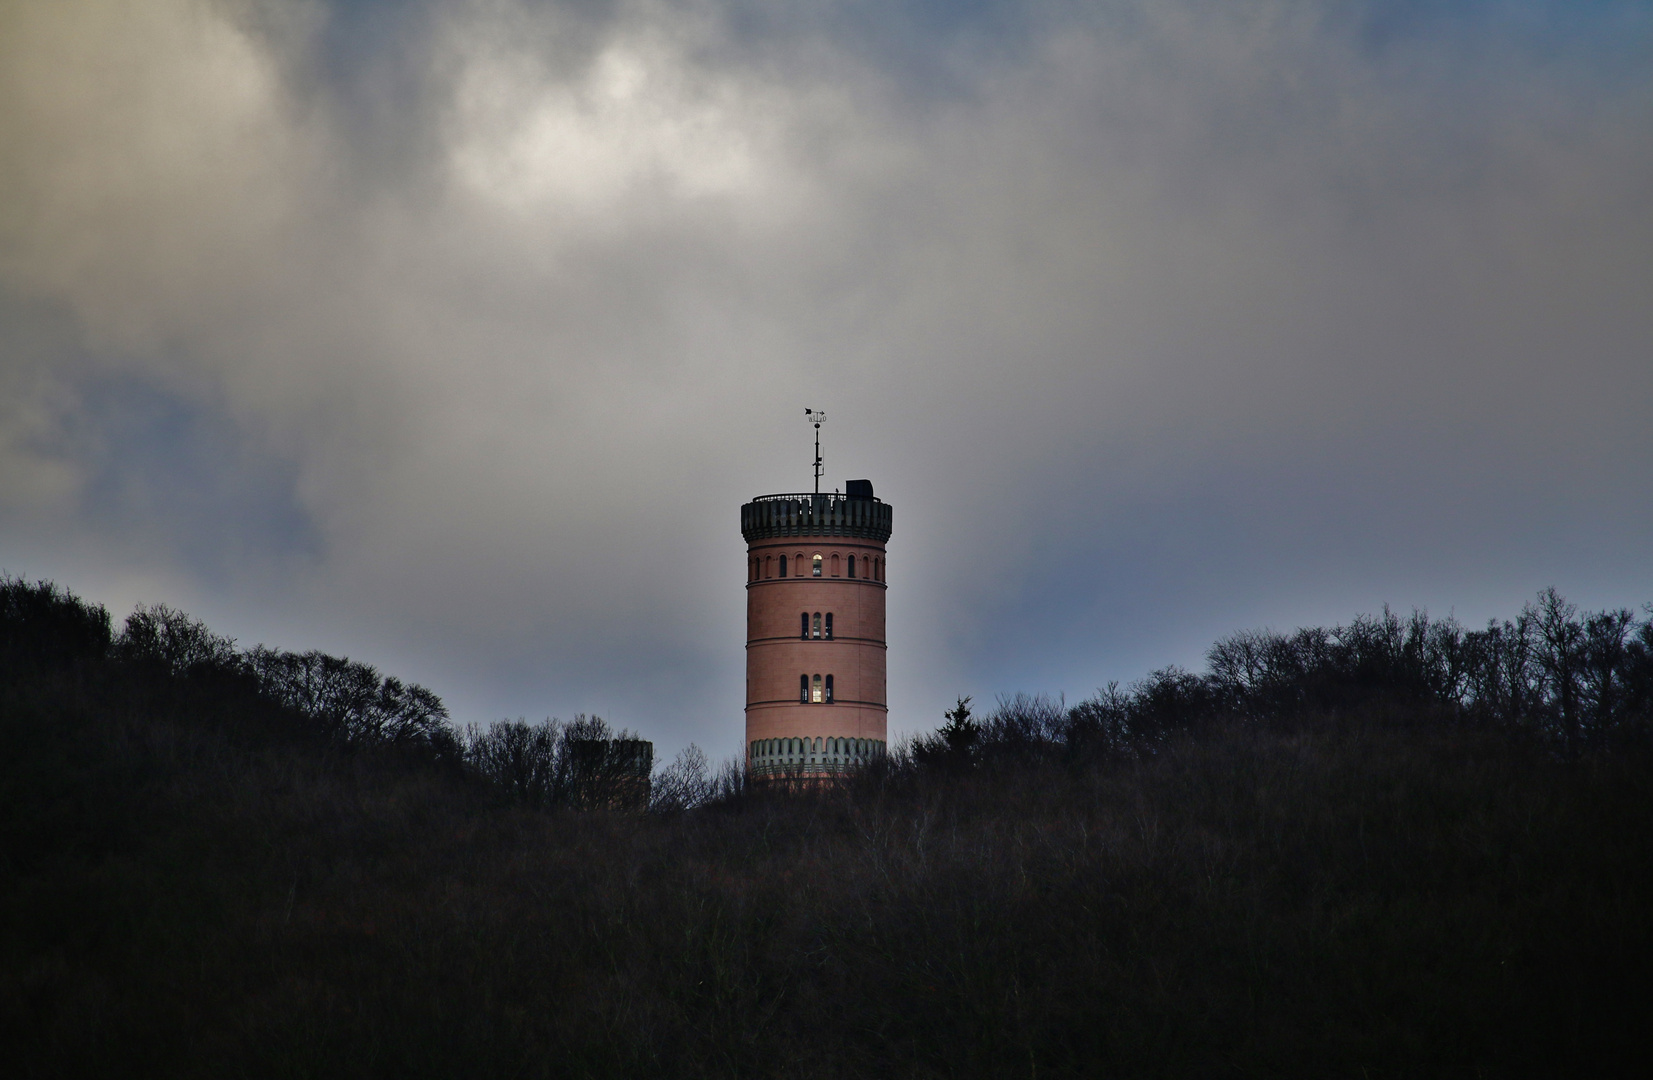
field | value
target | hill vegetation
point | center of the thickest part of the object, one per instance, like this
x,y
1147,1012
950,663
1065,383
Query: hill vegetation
x,y
1392,848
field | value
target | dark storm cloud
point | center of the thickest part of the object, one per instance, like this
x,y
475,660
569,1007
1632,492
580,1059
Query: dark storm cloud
x,y
452,336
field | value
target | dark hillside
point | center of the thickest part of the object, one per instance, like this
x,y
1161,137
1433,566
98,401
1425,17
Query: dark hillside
x,y
201,879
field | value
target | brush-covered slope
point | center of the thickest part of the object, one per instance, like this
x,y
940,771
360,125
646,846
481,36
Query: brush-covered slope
x,y
198,882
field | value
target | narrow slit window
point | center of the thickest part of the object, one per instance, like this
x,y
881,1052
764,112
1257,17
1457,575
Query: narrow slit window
x,y
829,689
817,696
803,626
852,566
828,634
783,566
835,566
768,565
803,689
817,634
815,570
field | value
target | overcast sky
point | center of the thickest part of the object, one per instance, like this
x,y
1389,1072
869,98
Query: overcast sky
x,y
451,336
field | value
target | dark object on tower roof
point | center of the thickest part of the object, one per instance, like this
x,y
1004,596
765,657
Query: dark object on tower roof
x,y
858,489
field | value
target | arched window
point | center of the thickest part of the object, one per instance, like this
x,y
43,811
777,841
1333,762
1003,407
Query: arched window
x,y
815,567
783,566
803,689
828,634
829,690
816,697
768,565
803,626
835,566
877,571
817,634
852,566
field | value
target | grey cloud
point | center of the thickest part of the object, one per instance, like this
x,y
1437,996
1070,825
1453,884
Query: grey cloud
x,y
478,322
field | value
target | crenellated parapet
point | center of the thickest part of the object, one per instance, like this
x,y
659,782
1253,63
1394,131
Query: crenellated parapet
x,y
772,516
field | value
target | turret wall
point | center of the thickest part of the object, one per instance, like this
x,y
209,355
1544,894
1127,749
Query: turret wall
x,y
786,642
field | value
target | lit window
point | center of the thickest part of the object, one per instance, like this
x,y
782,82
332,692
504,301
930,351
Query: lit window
x,y
829,689
783,566
803,689
829,626
816,570
852,566
817,634
816,696
803,631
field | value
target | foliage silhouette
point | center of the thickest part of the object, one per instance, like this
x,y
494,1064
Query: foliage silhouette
x,y
1382,849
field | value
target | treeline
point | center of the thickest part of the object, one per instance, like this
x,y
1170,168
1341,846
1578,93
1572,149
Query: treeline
x,y
583,764
344,701
1574,680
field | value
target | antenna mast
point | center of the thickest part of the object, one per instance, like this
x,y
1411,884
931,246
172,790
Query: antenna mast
x,y
815,416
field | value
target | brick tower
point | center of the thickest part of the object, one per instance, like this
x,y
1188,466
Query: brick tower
x,y
816,700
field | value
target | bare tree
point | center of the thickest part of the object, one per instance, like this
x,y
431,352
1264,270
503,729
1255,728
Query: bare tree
x,y
1561,657
684,784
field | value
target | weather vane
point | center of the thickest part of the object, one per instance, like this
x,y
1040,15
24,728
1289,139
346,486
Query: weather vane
x,y
816,416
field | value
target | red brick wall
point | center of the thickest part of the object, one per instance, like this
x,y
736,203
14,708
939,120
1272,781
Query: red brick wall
x,y
775,655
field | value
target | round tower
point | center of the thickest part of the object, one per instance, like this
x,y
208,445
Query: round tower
x,y
816,574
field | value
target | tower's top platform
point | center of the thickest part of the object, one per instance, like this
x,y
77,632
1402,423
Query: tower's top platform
x,y
770,516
